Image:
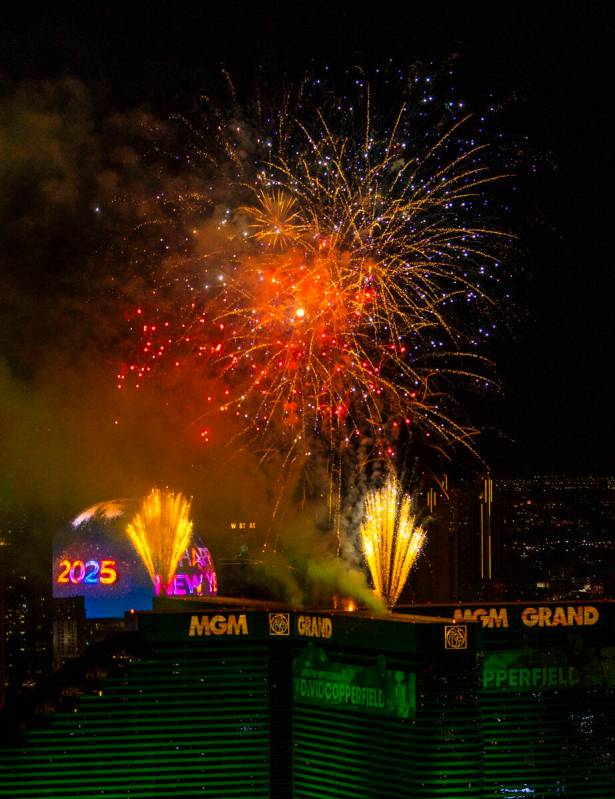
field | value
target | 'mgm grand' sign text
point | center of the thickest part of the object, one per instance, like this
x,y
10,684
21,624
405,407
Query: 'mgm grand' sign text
x,y
315,626
531,616
219,625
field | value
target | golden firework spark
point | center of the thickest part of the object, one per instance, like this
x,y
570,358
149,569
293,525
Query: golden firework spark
x,y
275,220
160,532
391,539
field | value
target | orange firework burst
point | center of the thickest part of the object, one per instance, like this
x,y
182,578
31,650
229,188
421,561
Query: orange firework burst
x,y
298,344
350,313
358,281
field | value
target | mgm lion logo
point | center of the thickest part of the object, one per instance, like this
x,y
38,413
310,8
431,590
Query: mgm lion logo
x,y
279,624
456,636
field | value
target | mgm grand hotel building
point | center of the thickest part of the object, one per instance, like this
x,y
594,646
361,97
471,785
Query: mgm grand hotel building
x,y
229,698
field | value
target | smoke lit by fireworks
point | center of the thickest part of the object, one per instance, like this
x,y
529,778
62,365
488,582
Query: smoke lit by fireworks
x,y
391,539
160,533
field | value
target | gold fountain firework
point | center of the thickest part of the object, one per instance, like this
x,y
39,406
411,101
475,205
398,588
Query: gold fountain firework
x,y
391,539
160,532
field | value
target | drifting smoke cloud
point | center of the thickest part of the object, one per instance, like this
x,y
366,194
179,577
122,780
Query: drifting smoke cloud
x,y
86,192
337,577
85,196
70,438
78,185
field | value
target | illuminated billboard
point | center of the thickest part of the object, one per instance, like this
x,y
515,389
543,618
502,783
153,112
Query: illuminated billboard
x,y
93,558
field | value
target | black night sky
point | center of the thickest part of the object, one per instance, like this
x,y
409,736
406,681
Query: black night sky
x,y
550,65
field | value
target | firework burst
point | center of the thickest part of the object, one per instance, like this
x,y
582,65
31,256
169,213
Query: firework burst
x,y
391,539
275,219
160,533
345,317
356,288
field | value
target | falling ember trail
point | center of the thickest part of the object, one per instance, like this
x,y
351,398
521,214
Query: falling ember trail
x,y
160,532
391,539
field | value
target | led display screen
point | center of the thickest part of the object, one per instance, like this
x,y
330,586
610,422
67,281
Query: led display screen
x,y
96,561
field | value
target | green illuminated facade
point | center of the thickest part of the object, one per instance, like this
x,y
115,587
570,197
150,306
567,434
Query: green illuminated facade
x,y
422,737
230,701
547,698
180,719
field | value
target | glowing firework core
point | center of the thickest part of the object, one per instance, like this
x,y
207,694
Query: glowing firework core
x,y
160,533
391,539
275,221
